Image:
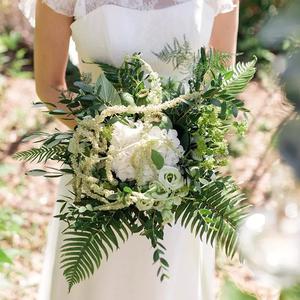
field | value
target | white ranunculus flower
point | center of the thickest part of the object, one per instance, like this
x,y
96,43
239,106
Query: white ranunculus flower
x,y
158,191
131,151
171,178
144,204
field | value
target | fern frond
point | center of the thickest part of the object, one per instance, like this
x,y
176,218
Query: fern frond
x,y
84,250
179,54
242,75
41,154
215,215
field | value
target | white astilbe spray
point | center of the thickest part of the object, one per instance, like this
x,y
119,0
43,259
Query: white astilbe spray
x,y
155,95
156,92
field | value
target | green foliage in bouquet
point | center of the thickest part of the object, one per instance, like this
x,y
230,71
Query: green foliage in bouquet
x,y
146,154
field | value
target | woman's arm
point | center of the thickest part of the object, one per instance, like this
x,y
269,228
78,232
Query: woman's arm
x,y
225,29
52,36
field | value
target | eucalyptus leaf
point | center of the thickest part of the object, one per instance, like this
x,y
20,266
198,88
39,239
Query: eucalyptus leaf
x,y
63,136
127,99
203,181
82,209
36,172
58,112
33,136
84,87
88,98
53,143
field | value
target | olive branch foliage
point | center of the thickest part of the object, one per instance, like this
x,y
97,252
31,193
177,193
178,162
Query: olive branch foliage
x,y
214,206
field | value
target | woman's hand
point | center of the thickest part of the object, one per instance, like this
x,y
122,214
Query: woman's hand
x,y
225,30
51,47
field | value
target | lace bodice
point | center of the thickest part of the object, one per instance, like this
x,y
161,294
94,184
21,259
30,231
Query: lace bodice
x,y
147,26
79,8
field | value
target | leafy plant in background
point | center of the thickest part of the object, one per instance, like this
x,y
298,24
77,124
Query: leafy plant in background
x,y
9,224
13,55
253,15
277,30
231,292
291,293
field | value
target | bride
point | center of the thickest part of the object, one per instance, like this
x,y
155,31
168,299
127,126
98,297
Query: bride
x,y
106,31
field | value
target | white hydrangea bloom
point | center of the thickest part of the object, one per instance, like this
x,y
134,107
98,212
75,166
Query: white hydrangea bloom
x,y
131,149
123,144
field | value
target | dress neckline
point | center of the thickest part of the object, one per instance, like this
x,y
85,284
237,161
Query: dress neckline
x,y
138,11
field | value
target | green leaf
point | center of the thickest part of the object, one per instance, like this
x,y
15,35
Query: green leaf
x,y
57,112
34,135
106,91
127,99
84,86
110,72
88,98
164,262
205,212
156,255
89,207
36,172
127,190
203,181
209,93
165,123
157,159
82,209
4,258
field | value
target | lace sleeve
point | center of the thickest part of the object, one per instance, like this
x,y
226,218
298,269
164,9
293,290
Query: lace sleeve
x,y
64,7
222,6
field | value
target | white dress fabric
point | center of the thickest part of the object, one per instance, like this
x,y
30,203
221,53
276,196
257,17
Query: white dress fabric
x,y
106,31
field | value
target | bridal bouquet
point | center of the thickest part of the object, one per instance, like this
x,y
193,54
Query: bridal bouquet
x,y
146,153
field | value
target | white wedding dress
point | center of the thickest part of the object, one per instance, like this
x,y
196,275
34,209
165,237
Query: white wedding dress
x,y
106,31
